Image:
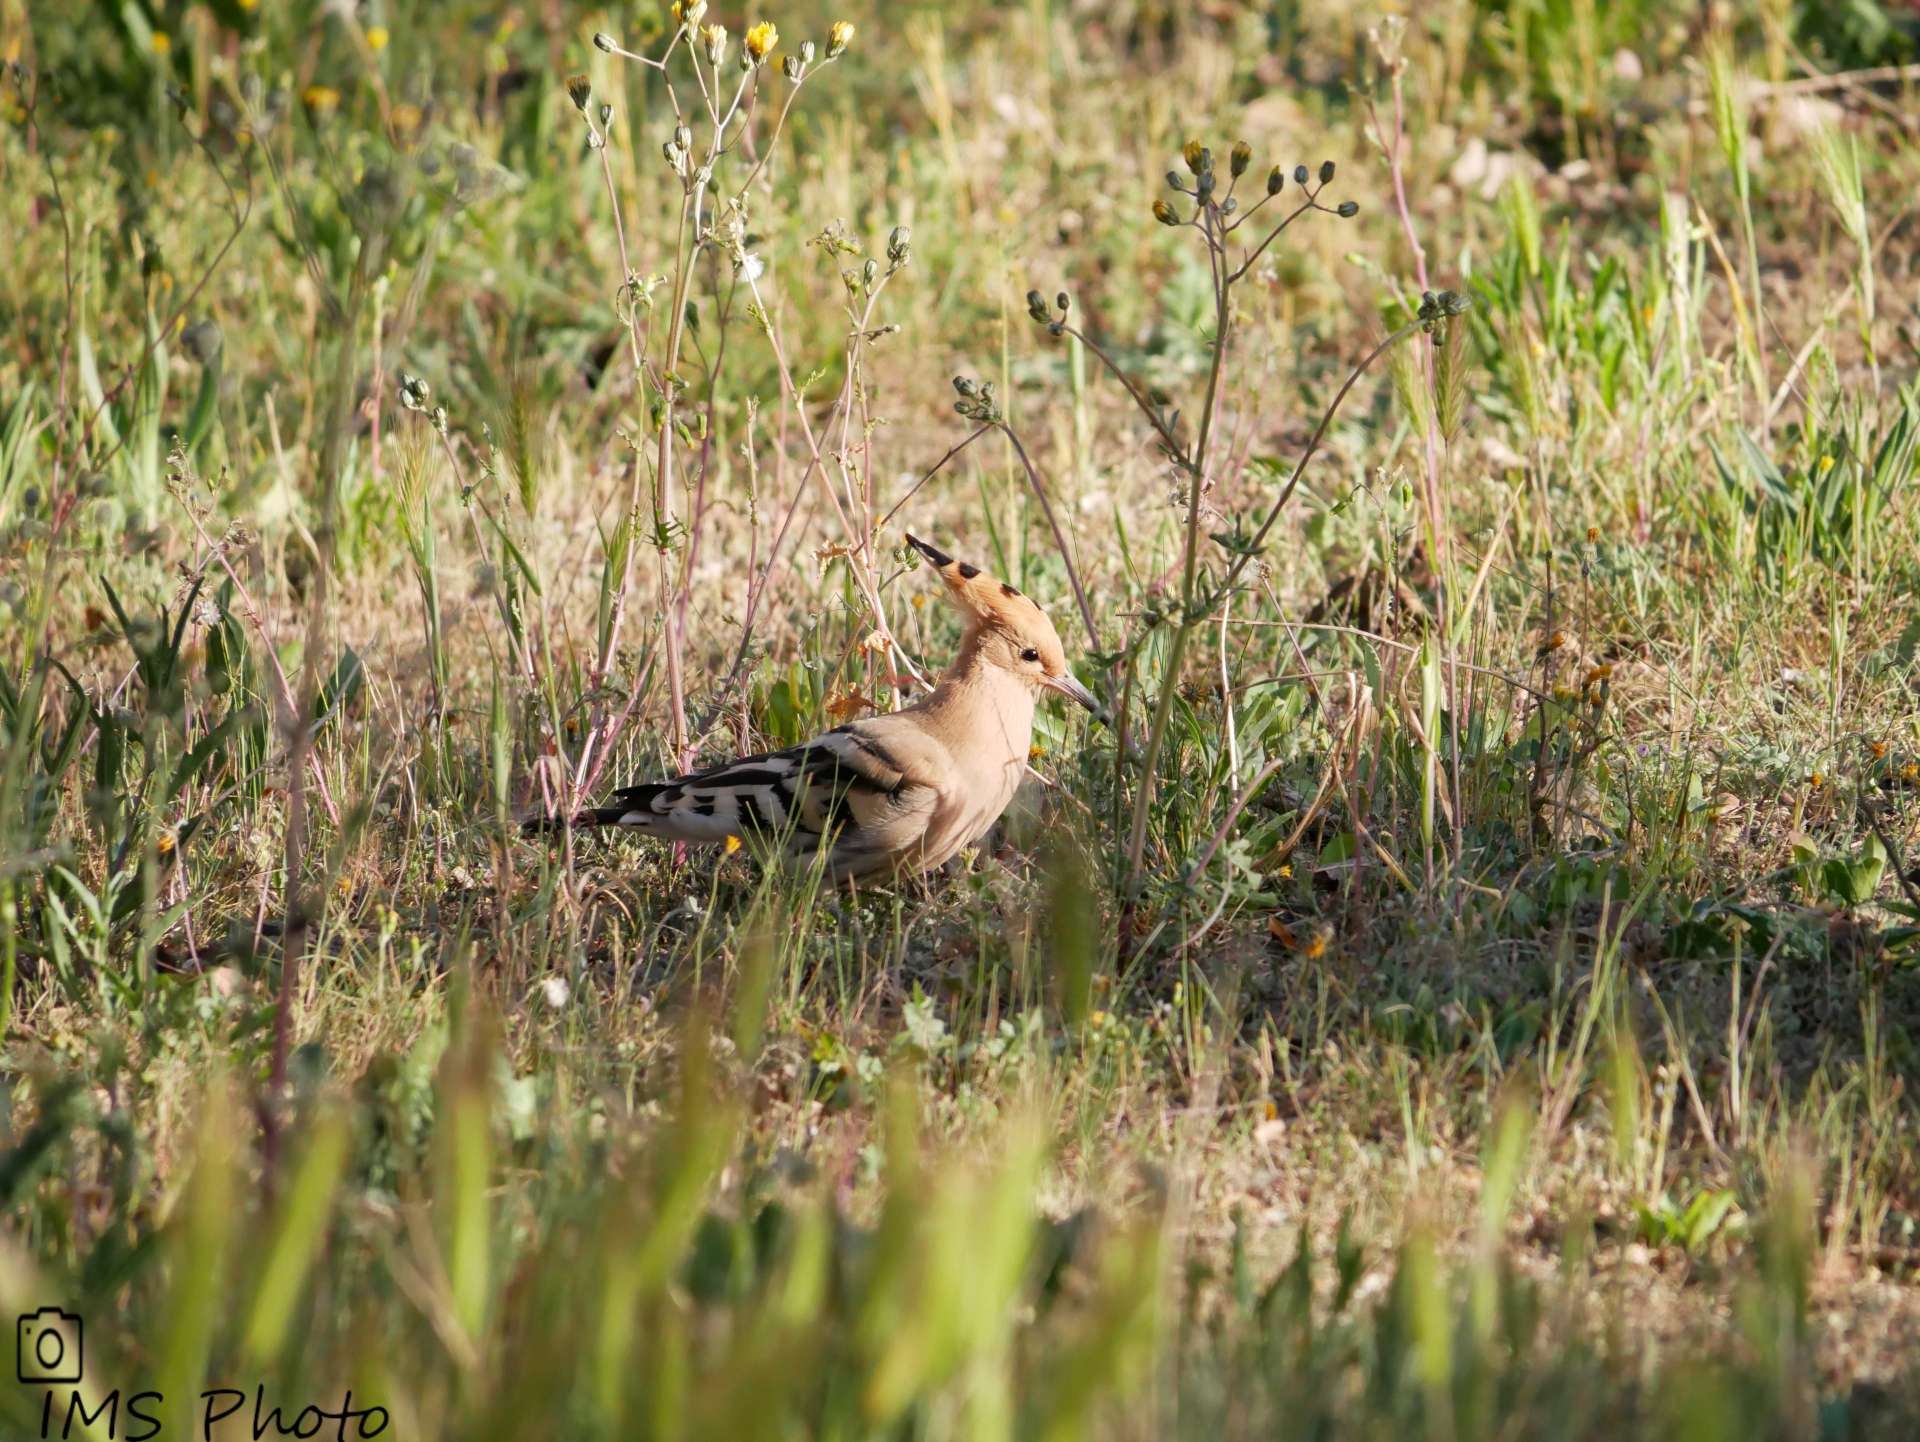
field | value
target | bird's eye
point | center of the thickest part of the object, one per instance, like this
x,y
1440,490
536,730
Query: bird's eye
x,y
1030,654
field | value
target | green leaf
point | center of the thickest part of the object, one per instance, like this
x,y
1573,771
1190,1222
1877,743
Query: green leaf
x,y
342,687
1339,849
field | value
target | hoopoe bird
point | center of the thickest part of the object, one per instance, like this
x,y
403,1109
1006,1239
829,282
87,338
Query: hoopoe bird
x,y
897,792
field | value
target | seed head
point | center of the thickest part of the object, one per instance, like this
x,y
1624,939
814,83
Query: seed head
x,y
1242,157
579,91
1276,181
839,38
1163,213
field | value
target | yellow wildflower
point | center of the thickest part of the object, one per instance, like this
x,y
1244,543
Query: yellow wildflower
x,y
377,38
323,99
760,41
839,38
162,42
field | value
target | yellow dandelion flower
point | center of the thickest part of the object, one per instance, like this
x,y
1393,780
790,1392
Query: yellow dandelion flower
x,y
839,38
1878,748
1316,946
733,844
716,38
1826,464
377,38
162,42
760,41
249,5
1593,535
320,98
1818,779
1035,753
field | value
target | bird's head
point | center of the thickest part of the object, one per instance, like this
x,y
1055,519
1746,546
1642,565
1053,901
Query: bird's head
x,y
1005,629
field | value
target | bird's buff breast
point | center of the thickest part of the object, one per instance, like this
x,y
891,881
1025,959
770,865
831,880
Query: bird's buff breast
x,y
969,813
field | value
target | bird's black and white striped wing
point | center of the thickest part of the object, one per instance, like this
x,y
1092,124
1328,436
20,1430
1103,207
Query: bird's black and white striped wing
x,y
852,789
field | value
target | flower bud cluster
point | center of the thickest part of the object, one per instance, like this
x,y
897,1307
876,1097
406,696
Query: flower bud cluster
x,y
1037,308
976,401
1444,306
1200,164
679,152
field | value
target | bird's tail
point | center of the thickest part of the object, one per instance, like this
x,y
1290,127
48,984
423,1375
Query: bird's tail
x,y
585,817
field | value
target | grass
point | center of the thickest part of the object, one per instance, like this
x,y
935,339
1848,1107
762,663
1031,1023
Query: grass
x,y
1468,990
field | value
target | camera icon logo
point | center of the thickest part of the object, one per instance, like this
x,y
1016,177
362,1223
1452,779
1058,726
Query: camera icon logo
x,y
49,1346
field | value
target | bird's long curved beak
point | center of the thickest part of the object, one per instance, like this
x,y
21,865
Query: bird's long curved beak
x,y
1067,686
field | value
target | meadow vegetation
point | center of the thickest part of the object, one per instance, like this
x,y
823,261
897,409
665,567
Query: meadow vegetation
x,y
1465,987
